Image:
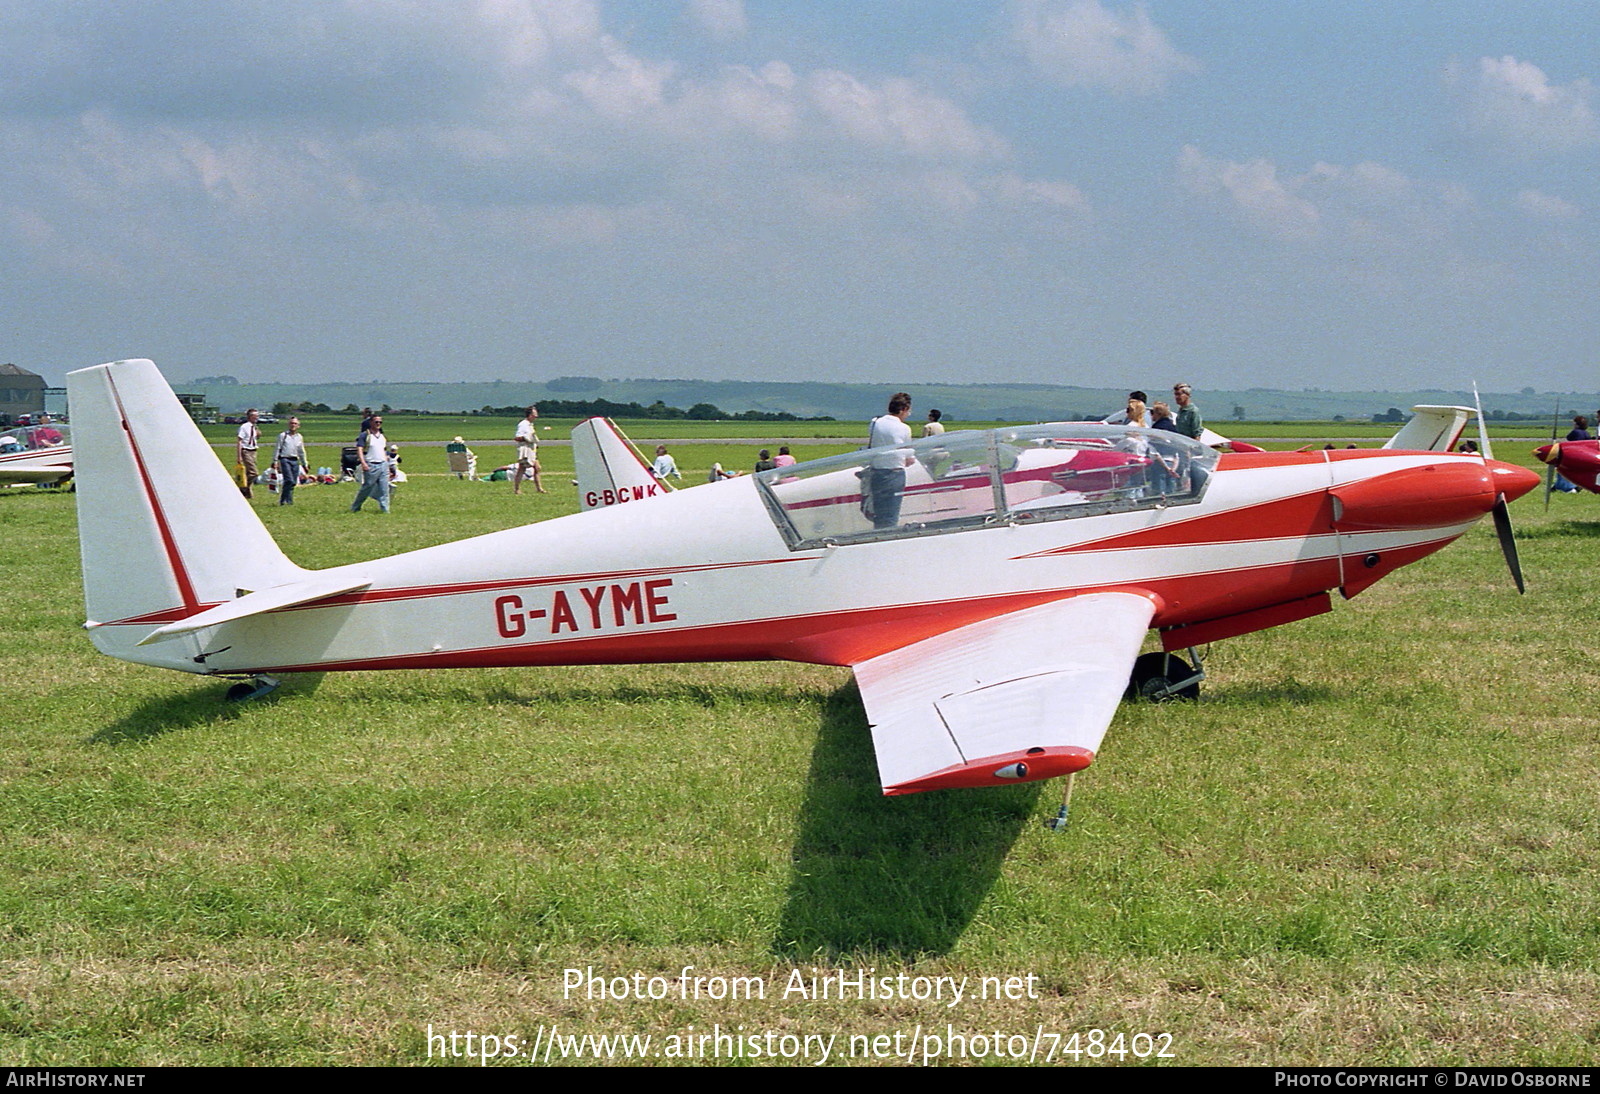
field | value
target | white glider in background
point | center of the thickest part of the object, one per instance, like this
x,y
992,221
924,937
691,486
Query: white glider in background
x,y
609,468
38,454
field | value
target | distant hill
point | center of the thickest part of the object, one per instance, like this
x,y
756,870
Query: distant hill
x,y
985,402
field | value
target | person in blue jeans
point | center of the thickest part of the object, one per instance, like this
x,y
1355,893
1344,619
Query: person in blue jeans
x,y
372,453
291,457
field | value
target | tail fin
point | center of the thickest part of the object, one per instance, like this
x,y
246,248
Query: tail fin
x,y
610,469
165,533
1431,429
1213,439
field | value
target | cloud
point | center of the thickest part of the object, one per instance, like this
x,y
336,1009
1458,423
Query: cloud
x,y
1512,106
1254,191
1536,203
900,116
1080,43
621,84
1366,205
724,20
355,61
491,177
522,112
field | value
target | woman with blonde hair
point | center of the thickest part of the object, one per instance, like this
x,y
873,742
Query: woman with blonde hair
x,y
1137,415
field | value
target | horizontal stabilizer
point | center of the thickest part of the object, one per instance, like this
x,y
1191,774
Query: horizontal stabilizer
x,y
257,603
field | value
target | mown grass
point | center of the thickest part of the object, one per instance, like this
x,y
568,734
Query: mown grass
x,y
1372,841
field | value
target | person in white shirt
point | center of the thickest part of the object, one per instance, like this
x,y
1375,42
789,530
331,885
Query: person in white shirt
x,y
372,450
933,427
290,457
665,465
886,474
527,439
249,441
1121,416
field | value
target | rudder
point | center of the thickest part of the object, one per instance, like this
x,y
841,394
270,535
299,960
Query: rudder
x,y
610,470
163,529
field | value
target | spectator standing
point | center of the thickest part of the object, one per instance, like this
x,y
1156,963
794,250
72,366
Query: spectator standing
x,y
1121,416
887,471
290,457
248,443
1188,418
372,456
527,439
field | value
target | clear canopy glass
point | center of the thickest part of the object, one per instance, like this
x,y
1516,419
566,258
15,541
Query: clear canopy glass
x,y
975,478
33,438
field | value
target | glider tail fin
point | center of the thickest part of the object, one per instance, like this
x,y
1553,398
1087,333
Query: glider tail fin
x,y
610,469
164,531
1431,429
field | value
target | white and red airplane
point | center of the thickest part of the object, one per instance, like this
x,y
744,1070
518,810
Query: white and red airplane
x,y
37,454
1576,461
992,623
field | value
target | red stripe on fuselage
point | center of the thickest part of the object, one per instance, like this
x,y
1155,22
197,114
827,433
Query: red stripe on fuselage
x,y
34,454
417,592
1300,516
850,637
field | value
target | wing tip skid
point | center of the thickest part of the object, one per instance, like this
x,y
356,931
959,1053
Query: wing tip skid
x,y
1027,765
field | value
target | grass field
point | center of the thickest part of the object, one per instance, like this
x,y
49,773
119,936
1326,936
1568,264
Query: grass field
x,y
1372,841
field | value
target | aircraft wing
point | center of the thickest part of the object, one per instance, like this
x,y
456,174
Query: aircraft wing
x,y
1026,695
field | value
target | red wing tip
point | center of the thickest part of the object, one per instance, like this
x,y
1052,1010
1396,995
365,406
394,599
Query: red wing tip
x,y
1008,768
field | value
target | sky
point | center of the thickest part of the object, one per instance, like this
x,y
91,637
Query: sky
x,y
1345,195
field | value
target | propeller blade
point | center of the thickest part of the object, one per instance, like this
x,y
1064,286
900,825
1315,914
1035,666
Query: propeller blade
x,y
1508,542
1550,472
1483,428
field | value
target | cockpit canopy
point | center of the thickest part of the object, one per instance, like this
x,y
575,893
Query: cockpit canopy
x,y
32,438
976,478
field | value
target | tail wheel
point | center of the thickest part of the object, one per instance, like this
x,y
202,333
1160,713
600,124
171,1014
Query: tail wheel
x,y
1154,675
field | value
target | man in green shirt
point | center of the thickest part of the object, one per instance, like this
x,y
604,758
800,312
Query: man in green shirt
x,y
1188,416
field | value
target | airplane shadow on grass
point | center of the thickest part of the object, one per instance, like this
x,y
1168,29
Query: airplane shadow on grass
x,y
198,707
872,876
1584,529
893,877
1289,692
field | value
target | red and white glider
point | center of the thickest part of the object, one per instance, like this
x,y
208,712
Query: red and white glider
x,y
40,454
991,589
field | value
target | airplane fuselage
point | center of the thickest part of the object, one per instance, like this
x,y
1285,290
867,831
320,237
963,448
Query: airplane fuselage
x,y
705,574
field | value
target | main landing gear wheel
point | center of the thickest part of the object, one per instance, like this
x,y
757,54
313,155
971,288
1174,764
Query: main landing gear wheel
x,y
1158,677
255,689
